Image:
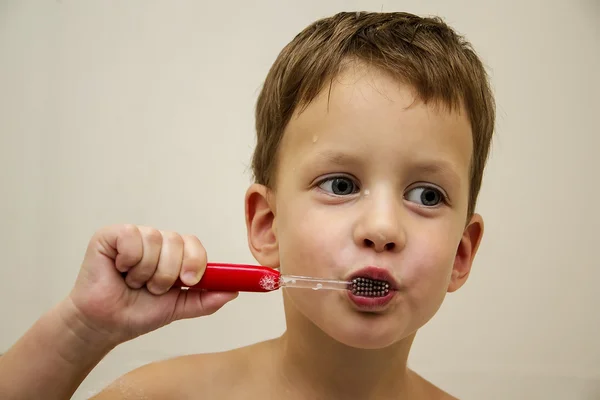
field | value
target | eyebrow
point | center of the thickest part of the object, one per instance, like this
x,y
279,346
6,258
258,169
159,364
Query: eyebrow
x,y
438,168
335,157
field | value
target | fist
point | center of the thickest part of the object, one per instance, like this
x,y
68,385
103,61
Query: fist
x,y
125,285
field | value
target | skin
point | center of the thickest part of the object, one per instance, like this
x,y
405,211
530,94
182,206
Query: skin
x,y
353,170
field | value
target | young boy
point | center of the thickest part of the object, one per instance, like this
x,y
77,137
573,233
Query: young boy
x,y
373,132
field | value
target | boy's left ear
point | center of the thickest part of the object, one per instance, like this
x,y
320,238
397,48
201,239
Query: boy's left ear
x,y
465,254
260,225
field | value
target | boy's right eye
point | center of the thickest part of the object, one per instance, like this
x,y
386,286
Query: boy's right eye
x,y
339,186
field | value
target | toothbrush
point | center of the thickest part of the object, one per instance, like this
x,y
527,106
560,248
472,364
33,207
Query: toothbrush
x,y
253,278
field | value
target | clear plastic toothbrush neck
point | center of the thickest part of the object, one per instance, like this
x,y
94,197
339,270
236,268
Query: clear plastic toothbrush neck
x,y
292,281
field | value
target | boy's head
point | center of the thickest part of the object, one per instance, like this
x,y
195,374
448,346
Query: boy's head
x,y
424,53
373,132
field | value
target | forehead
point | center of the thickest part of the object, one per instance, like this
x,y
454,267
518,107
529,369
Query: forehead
x,y
368,113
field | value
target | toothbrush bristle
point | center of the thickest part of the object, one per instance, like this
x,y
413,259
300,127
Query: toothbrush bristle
x,y
367,287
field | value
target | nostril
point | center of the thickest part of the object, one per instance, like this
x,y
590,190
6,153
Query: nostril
x,y
387,247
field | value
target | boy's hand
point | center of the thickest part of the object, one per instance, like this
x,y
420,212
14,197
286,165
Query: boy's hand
x,y
124,308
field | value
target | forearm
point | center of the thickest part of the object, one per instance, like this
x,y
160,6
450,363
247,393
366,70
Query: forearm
x,y
53,357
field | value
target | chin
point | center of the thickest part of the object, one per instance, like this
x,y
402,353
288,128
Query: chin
x,y
368,332
337,318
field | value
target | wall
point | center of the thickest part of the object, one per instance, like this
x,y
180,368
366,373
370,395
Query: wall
x,y
142,112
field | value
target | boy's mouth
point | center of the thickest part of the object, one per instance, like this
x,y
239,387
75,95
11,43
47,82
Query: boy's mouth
x,y
372,282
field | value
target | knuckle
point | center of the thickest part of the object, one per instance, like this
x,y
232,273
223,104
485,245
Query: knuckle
x,y
162,280
192,239
202,257
156,290
173,238
134,282
197,245
194,263
141,273
194,246
153,236
128,230
195,256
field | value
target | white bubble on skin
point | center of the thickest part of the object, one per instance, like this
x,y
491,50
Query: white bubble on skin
x,y
367,192
319,286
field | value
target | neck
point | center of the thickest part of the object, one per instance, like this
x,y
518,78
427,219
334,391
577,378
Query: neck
x,y
312,363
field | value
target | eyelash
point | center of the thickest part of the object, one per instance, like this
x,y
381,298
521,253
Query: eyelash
x,y
334,177
443,197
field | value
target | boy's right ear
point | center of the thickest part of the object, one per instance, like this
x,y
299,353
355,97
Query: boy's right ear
x,y
260,225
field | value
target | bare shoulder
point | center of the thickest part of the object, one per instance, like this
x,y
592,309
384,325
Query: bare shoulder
x,y
427,390
186,377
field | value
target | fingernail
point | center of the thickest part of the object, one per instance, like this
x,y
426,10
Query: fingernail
x,y
134,284
190,278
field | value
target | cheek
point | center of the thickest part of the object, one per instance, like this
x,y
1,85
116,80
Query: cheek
x,y
314,243
428,260
428,269
311,243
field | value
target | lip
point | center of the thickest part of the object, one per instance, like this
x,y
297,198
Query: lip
x,y
373,304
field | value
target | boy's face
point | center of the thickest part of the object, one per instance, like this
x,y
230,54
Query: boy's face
x,y
369,176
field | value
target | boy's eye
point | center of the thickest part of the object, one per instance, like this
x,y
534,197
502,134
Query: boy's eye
x,y
426,196
339,186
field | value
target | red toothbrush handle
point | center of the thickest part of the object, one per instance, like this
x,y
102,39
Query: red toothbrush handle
x,y
236,278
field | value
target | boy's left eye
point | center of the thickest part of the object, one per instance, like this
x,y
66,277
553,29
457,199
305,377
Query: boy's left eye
x,y
426,196
339,186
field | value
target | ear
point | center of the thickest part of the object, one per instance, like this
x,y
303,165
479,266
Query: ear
x,y
465,254
260,225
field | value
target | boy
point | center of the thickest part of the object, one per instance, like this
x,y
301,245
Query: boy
x,y
373,132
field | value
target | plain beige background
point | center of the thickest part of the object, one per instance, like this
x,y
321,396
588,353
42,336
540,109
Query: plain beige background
x,y
142,112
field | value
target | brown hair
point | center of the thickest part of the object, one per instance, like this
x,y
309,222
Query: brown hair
x,y
423,52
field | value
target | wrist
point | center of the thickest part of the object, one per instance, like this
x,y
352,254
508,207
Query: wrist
x,y
82,335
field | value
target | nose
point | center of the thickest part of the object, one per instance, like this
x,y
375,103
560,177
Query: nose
x,y
379,226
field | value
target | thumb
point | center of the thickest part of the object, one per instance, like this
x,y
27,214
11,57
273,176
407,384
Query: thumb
x,y
194,303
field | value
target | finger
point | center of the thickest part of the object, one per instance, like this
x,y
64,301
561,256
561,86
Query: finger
x,y
194,260
121,243
139,274
194,303
169,264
